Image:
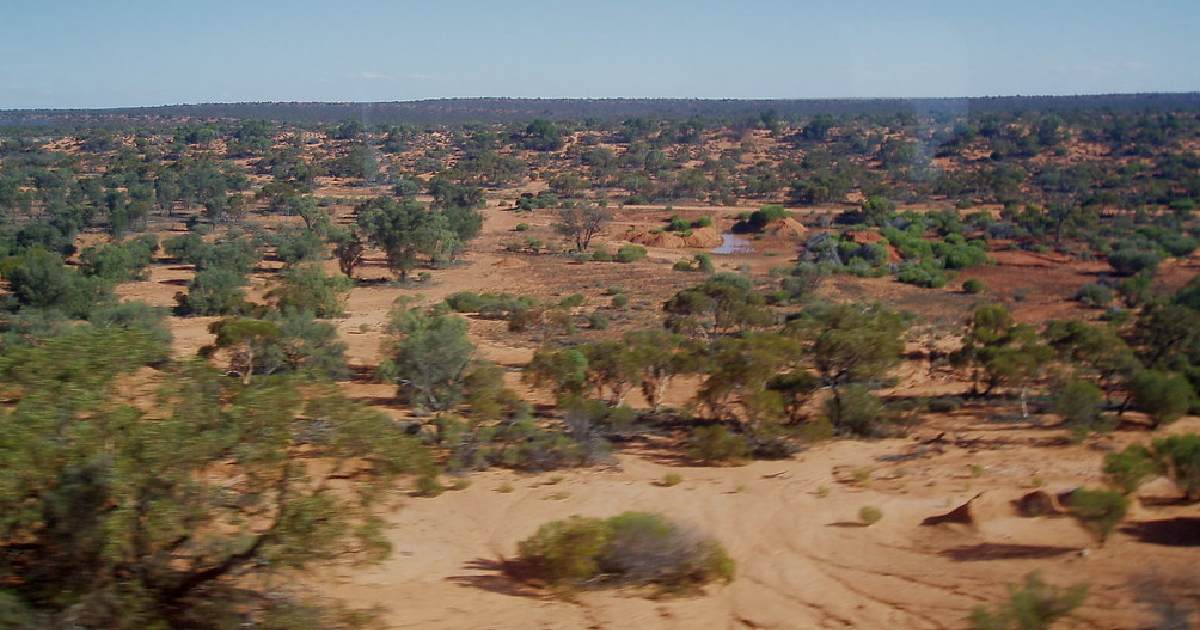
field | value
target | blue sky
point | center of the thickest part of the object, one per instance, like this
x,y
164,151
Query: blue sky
x,y
90,53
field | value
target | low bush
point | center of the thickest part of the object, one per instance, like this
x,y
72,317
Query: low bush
x,y
1094,295
717,444
1034,605
633,548
631,253
869,515
973,286
854,410
1098,511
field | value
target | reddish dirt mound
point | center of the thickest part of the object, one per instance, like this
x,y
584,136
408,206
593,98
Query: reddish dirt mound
x,y
867,237
864,237
701,238
705,237
786,227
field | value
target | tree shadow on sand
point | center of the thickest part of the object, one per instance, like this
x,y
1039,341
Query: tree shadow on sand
x,y
503,577
1181,531
1005,551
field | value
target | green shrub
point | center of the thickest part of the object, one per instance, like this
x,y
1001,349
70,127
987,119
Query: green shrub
x,y
682,265
428,485
214,292
717,444
307,288
1033,606
671,480
631,253
869,515
597,321
679,224
522,227
1131,258
854,410
1099,511
1179,457
704,263
973,286
1127,469
118,262
39,279
572,301
134,316
1094,295
1079,403
632,548
704,221
620,300
488,305
923,274
1161,395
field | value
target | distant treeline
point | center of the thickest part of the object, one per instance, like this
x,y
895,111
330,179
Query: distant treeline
x,y
497,110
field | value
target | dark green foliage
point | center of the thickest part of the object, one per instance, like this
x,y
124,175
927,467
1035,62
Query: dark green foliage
x,y
1099,511
1161,395
1177,457
1079,403
631,253
118,262
541,135
235,252
407,232
138,316
428,357
633,548
114,508
1094,295
1131,257
1034,605
926,274
307,288
973,286
854,410
1004,352
716,444
722,304
759,219
488,305
39,279
297,245
215,291
1127,469
303,346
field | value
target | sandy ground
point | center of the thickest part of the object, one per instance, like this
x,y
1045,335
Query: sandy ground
x,y
803,559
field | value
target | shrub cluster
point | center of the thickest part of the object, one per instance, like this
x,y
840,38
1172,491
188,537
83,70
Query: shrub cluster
x,y
633,548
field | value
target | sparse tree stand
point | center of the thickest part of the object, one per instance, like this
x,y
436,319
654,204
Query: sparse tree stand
x,y
173,516
583,223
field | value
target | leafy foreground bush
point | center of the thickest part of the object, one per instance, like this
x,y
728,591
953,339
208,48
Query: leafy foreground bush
x,y
1032,606
633,548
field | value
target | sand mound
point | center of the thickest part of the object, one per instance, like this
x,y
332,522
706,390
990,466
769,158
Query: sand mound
x,y
786,228
654,239
705,237
700,238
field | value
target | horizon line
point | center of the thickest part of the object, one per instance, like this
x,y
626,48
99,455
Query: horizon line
x,y
1193,92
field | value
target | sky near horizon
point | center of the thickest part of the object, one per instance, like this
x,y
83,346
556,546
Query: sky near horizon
x,y
85,53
